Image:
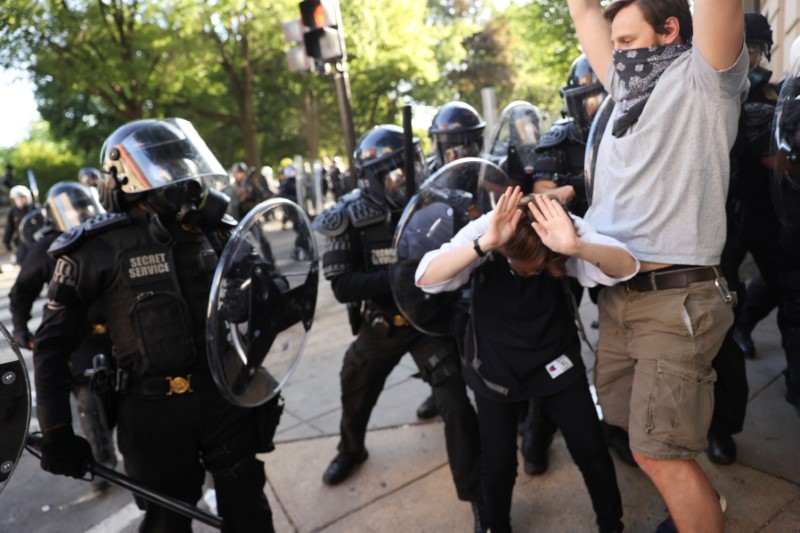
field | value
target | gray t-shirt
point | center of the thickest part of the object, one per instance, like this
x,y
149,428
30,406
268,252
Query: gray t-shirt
x,y
660,188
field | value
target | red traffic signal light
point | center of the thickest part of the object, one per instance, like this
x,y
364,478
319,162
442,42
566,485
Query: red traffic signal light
x,y
322,38
313,15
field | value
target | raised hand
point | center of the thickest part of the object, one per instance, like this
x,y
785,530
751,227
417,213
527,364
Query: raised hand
x,y
504,218
553,225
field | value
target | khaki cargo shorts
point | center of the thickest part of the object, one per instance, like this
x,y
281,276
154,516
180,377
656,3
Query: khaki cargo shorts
x,y
653,372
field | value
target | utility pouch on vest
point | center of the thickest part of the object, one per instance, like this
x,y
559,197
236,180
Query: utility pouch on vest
x,y
163,329
102,384
268,416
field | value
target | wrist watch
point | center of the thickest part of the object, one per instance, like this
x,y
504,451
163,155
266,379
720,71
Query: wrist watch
x,y
477,247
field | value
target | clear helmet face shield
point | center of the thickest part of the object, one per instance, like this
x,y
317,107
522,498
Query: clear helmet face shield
x,y
162,152
69,204
520,124
785,151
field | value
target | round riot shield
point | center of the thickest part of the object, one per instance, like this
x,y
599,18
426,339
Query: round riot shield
x,y
262,302
15,406
459,192
599,124
29,226
785,170
514,139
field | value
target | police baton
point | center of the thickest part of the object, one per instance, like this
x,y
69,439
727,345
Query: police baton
x,y
34,445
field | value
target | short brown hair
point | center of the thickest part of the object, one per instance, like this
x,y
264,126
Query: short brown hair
x,y
525,245
656,13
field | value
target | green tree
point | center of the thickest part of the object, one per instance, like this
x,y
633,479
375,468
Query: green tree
x,y
544,45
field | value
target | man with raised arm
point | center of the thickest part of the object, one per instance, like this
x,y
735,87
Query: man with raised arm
x,y
660,186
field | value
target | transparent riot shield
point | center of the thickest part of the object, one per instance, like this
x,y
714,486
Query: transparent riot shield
x,y
262,302
30,226
459,192
34,186
599,124
15,406
514,139
785,175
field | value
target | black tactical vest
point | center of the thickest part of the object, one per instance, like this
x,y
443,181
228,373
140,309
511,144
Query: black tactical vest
x,y
157,299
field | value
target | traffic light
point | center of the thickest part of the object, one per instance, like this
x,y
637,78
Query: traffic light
x,y
322,21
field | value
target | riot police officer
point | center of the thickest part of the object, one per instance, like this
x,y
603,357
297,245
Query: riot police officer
x,y
559,160
456,131
761,227
149,261
89,177
21,204
68,205
753,227
359,231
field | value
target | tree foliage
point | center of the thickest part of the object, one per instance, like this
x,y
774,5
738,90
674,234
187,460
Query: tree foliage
x,y
220,63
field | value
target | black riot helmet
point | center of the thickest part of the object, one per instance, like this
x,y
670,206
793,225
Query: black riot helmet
x,y
378,162
456,131
89,176
758,34
163,163
69,203
583,92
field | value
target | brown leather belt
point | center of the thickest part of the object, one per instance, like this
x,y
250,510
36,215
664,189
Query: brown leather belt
x,y
671,279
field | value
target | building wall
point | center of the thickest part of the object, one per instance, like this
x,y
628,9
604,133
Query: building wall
x,y
784,17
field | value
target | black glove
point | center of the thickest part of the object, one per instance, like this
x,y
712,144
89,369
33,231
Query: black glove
x,y
24,339
65,453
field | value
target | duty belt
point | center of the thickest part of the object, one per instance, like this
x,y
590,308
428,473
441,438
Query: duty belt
x,y
671,279
156,385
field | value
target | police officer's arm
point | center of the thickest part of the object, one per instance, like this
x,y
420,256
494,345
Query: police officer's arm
x,y
35,272
72,289
557,231
565,193
8,232
357,286
719,31
594,33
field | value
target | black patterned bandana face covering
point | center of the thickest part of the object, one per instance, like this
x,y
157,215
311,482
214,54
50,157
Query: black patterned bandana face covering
x,y
639,70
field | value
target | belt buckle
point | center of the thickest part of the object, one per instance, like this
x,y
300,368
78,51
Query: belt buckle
x,y
179,384
399,321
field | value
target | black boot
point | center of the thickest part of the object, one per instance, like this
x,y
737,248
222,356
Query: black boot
x,y
536,441
744,342
480,517
617,440
342,466
427,409
721,449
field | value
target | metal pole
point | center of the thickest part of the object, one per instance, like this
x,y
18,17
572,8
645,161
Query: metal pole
x,y
408,153
345,111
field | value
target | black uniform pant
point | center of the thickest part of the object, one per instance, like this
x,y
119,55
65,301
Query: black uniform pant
x,y
778,260
574,412
368,362
730,389
168,442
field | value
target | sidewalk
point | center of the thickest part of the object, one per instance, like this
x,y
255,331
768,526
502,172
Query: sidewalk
x,y
406,485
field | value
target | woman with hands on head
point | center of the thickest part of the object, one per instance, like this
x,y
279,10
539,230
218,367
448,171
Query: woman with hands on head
x,y
522,341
